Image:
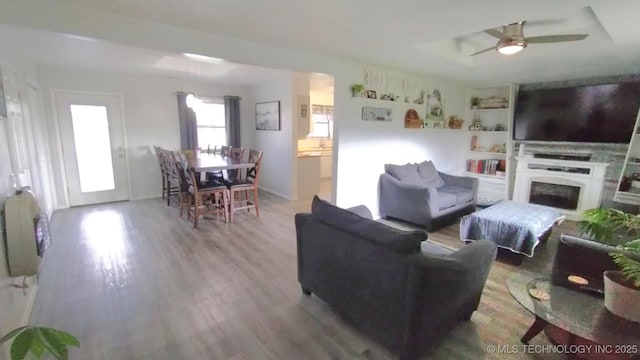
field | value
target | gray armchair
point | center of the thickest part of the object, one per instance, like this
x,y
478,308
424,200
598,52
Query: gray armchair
x,y
421,195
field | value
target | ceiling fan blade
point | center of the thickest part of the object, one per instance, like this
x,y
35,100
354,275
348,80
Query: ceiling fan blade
x,y
555,38
497,34
482,51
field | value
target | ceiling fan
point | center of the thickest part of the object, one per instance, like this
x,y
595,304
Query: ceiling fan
x,y
512,40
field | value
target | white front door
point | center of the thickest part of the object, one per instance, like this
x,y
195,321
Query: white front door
x,y
92,137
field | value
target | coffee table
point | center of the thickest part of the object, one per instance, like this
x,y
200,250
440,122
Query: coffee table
x,y
573,318
512,225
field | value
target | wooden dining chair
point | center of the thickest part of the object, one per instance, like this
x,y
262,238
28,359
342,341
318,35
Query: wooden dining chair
x,y
163,170
177,180
225,150
171,187
249,184
211,197
213,150
235,153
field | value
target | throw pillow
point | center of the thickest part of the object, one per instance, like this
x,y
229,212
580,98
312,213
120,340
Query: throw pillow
x,y
407,173
429,175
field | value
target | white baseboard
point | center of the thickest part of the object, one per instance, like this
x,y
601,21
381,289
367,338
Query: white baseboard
x,y
276,193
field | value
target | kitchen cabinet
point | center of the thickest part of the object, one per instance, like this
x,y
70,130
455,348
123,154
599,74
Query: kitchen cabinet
x,y
308,176
326,162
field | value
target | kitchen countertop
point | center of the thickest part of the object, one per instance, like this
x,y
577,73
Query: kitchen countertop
x,y
315,152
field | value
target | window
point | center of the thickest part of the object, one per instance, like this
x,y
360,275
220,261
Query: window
x,y
211,123
321,121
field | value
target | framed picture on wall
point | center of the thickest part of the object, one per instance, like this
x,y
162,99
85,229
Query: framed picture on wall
x,y
268,115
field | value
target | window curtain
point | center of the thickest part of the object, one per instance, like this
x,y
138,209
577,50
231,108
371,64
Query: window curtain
x,y
188,124
232,116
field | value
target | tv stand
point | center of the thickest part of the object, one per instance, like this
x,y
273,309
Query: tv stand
x,y
563,157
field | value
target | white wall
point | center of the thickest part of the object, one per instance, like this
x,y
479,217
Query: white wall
x,y
276,173
150,117
363,147
20,140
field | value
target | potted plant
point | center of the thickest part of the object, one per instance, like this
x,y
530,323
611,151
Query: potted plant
x,y
33,342
620,229
356,90
622,288
474,102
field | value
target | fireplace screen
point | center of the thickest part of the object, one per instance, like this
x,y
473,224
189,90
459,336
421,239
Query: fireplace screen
x,y
554,195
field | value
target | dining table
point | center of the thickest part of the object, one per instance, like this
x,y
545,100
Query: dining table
x,y
205,162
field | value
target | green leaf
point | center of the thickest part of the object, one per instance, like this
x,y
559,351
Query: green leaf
x,y
36,348
64,337
21,344
12,333
51,342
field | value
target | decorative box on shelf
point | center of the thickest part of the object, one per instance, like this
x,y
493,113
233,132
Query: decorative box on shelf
x,y
493,102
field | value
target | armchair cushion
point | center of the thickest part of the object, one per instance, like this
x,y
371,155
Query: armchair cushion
x,y
446,199
462,195
429,174
407,173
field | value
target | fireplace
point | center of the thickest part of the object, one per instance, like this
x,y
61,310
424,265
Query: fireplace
x,y
554,195
570,186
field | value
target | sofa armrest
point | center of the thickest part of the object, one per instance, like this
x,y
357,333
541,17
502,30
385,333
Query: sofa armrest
x,y
450,286
466,182
406,201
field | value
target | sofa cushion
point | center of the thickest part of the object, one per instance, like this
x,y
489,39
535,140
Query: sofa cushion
x,y
407,173
462,195
446,199
433,249
407,242
428,173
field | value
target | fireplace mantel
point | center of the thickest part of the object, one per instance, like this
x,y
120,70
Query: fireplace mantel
x,y
586,175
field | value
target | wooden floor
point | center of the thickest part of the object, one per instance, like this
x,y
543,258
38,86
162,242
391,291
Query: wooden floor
x,y
132,281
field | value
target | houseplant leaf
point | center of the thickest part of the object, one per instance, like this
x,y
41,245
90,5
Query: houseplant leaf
x,y
51,342
21,344
630,267
12,333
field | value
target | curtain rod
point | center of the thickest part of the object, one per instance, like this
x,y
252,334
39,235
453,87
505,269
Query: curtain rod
x,y
205,96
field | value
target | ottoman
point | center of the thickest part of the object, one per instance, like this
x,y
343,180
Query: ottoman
x,y
516,226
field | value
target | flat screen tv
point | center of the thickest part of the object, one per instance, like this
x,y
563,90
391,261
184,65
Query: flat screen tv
x,y
604,113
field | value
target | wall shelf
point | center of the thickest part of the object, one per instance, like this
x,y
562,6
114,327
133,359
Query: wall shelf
x,y
483,110
491,186
491,178
488,153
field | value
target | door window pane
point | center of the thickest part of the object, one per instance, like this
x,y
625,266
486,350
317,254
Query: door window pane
x,y
93,147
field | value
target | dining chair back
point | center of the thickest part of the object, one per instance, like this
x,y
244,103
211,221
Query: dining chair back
x,y
249,184
211,197
177,181
163,170
225,150
235,153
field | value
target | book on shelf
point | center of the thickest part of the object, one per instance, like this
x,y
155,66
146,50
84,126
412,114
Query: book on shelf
x,y
485,166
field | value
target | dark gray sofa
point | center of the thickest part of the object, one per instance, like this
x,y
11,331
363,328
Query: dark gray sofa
x,y
402,292
419,194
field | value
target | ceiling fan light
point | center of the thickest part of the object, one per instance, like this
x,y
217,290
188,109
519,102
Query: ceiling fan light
x,y
510,47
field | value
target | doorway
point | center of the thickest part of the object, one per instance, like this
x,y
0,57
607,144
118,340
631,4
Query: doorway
x,y
91,131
